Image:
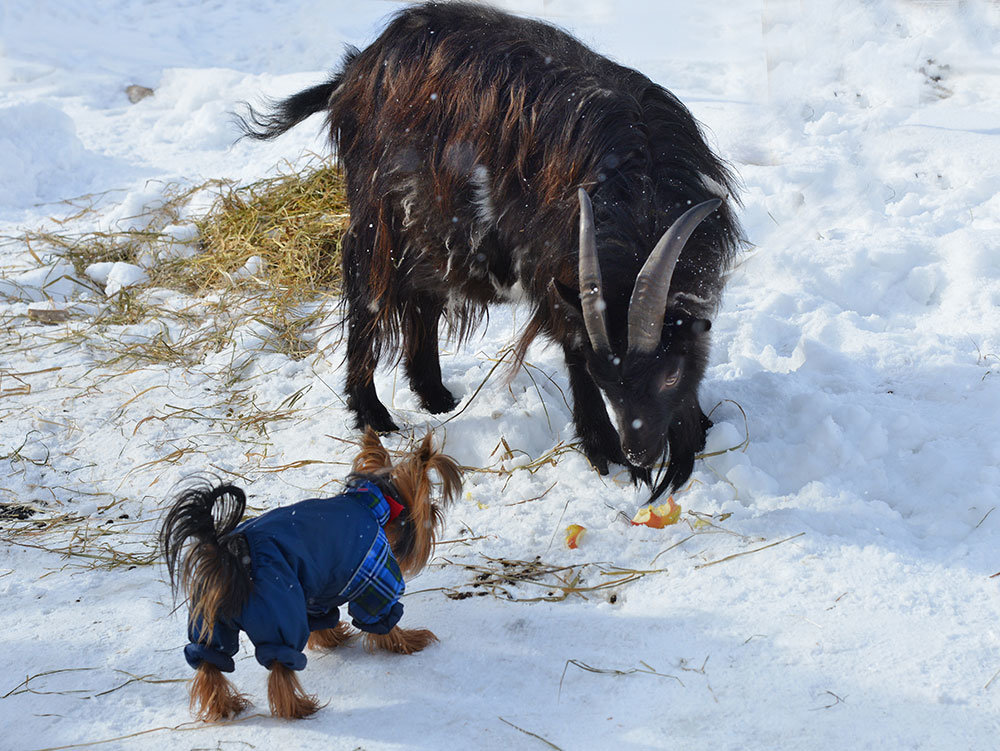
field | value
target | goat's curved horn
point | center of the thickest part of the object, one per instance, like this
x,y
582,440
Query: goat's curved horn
x,y
591,292
649,296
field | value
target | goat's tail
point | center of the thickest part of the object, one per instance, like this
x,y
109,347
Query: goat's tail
x,y
214,571
276,117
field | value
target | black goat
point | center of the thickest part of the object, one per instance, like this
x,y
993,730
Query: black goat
x,y
474,143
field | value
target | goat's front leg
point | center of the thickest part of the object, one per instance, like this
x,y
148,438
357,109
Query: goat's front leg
x,y
601,443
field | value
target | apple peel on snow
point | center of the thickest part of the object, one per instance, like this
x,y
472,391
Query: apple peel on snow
x,y
574,533
658,517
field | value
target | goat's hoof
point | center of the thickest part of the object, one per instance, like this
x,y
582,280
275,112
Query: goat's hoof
x,y
378,423
376,419
438,401
370,412
598,462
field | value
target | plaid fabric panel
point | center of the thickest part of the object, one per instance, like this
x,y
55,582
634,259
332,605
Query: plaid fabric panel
x,y
368,494
378,582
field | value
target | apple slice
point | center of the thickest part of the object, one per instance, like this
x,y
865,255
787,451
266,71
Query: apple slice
x,y
574,533
658,517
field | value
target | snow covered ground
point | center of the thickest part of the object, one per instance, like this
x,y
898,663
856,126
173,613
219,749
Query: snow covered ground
x,y
860,336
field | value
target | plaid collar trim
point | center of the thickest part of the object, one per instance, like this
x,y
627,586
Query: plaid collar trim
x,y
385,507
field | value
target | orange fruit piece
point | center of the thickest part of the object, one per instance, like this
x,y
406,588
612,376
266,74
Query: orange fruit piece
x,y
574,533
658,517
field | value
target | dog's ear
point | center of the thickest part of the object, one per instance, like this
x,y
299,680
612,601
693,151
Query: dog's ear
x,y
373,455
450,474
426,450
413,540
371,443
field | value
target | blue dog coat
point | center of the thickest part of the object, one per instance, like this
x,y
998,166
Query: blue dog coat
x,y
306,560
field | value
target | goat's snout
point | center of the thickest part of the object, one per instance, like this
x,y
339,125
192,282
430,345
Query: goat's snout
x,y
641,444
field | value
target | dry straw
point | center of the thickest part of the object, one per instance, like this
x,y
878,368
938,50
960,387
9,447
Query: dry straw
x,y
265,255
294,222
502,578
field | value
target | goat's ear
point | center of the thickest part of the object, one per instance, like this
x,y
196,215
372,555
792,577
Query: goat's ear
x,y
693,327
689,328
569,297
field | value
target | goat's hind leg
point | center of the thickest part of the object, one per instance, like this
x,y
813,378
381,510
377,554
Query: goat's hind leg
x,y
423,366
363,332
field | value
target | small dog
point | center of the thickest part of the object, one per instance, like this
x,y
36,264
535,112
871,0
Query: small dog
x,y
282,576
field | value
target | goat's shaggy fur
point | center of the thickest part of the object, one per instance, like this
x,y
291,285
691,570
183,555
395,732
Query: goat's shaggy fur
x,y
465,134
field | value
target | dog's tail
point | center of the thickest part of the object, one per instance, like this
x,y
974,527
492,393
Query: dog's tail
x,y
214,571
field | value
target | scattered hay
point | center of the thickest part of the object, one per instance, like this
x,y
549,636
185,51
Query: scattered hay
x,y
294,223
988,360
94,541
281,235
264,257
748,552
16,511
86,548
131,245
547,742
182,727
645,669
501,577
27,685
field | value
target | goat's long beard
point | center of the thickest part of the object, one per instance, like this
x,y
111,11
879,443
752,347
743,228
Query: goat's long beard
x,y
660,480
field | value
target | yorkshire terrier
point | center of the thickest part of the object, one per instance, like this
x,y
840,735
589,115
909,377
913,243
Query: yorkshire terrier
x,y
281,577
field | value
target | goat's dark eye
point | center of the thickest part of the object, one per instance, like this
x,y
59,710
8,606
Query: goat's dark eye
x,y
670,380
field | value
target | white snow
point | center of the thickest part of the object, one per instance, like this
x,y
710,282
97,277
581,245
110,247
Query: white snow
x,y
116,276
860,337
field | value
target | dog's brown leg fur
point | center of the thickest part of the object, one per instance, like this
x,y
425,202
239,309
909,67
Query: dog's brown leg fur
x,y
331,638
213,697
285,694
400,640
